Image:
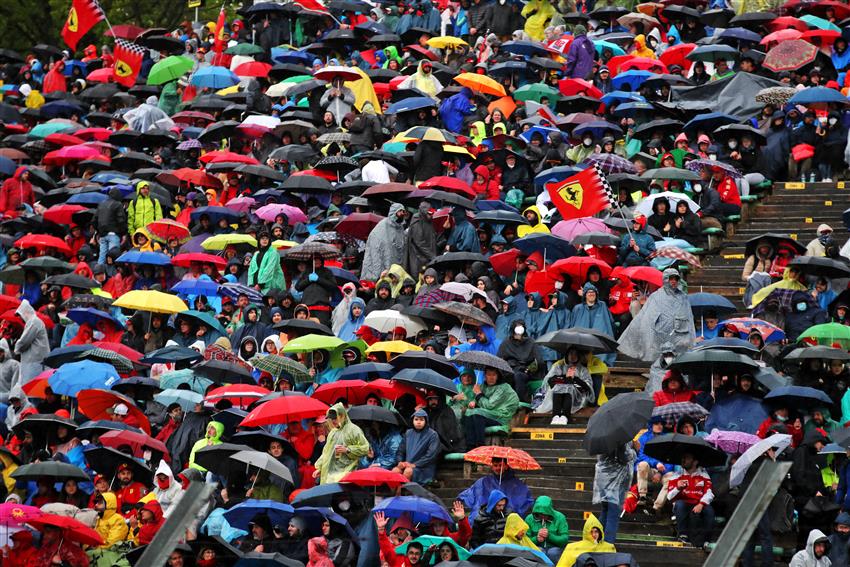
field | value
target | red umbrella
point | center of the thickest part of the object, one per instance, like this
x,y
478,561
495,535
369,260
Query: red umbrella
x,y
221,156
43,242
572,87
190,116
166,229
781,35
121,349
819,8
253,69
678,55
185,260
70,154
577,266
450,184
13,154
355,391
284,410
89,134
138,442
541,281
12,513
358,225
102,75
124,31
427,54
11,317
61,139
37,387
393,390
785,22
821,37
72,530
517,459
388,189
373,476
643,64
197,177
646,274
504,263
62,214
94,403
8,302
253,130
790,55
241,395
323,173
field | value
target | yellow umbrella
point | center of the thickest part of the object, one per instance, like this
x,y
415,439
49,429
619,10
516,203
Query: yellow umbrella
x,y
150,300
222,241
452,149
228,90
363,91
392,347
284,244
445,41
481,84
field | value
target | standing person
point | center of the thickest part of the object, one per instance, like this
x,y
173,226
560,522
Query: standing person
x,y
144,209
16,192
421,243
32,346
581,55
317,289
385,245
344,446
611,480
265,273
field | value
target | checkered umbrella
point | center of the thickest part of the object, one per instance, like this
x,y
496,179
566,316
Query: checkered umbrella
x,y
122,364
279,365
701,164
309,250
676,254
611,163
676,410
517,458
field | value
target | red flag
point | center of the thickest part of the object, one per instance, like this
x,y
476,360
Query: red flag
x,y
82,17
128,62
219,44
312,6
582,195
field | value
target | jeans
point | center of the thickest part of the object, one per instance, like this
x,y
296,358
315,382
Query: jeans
x,y
474,426
553,553
107,241
686,520
766,539
609,517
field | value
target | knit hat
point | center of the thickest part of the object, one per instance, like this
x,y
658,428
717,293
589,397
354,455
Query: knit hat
x,y
579,30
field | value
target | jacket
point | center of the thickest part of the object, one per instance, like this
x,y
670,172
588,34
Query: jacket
x,y
15,192
333,467
664,396
206,441
580,58
587,543
516,533
697,491
806,557
627,255
385,245
489,188
10,372
455,108
421,243
265,270
421,448
142,211
110,525
489,525
366,128
839,545
559,530
32,346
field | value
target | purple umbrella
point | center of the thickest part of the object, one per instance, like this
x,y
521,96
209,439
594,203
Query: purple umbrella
x,y
732,442
611,163
569,229
194,245
698,165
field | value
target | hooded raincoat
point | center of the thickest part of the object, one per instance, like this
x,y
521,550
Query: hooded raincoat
x,y
265,270
331,466
559,530
421,448
206,441
587,543
385,245
348,330
516,533
421,243
110,525
32,346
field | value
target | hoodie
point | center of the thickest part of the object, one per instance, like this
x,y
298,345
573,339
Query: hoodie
x,y
168,496
110,215
110,525
839,544
489,525
536,226
147,531
806,557
587,543
317,552
14,417
206,441
32,346
16,192
551,519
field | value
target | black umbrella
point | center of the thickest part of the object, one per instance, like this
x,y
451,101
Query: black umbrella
x,y
88,300
430,315
52,469
337,164
817,352
501,217
43,427
209,102
165,43
617,422
172,353
706,361
666,126
9,114
444,261
597,239
263,171
775,239
425,359
372,413
427,379
293,153
218,131
127,138
307,184
99,92
296,128
47,51
303,327
801,397
221,371
717,18
494,555
770,380
465,312
211,455
141,387
563,339
303,88
671,447
106,460
445,198
72,280
480,360
724,133
823,267
283,70
259,440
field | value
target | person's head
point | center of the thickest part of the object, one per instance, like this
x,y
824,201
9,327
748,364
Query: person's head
x,y
125,475
420,420
414,553
657,425
70,487
498,467
689,461
491,376
143,188
820,547
276,449
595,533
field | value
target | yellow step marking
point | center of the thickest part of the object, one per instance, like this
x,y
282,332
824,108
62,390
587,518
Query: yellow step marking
x,y
795,186
669,544
579,486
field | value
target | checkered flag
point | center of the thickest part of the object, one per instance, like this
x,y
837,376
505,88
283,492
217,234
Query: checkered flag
x,y
128,62
606,187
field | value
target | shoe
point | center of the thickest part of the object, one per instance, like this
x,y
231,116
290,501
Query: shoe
x,y
565,420
828,180
812,178
556,420
642,502
684,539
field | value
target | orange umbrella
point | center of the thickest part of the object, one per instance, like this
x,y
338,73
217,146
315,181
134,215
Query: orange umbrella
x,y
481,84
95,403
517,458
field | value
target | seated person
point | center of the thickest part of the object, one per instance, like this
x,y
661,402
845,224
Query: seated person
x,y
690,492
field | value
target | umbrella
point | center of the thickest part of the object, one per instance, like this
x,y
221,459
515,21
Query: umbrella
x,y
309,250
564,339
713,53
97,404
186,399
169,69
50,469
777,96
220,371
374,477
358,225
611,163
106,460
172,354
372,413
418,509
466,313
671,447
732,442
427,379
69,379
673,411
279,365
424,359
480,84
150,300
707,360
702,302
16,514
790,55
776,240
240,395
778,441
828,334
263,461
303,327
817,353
821,267
617,422
240,516
797,397
496,554
818,95
386,320
284,410
517,459
72,529
311,342
698,165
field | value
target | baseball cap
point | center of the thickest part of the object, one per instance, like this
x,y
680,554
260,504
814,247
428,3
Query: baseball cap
x,y
119,409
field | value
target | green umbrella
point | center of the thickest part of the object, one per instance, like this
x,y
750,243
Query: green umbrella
x,y
309,343
819,23
277,365
828,334
177,378
428,540
536,91
200,317
44,130
244,49
297,79
169,69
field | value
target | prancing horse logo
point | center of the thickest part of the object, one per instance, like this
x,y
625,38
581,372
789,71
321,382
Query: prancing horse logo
x,y
73,21
572,194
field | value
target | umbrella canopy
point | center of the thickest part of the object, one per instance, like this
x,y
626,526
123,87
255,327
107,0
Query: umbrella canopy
x,y
240,516
72,529
284,410
418,509
617,422
732,442
152,301
375,477
98,403
70,379
817,353
797,397
671,447
702,302
169,69
50,469
789,55
778,441
263,461
827,334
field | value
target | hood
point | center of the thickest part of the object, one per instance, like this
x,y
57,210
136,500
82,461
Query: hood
x,y
420,413
143,232
493,499
842,518
115,194
591,522
640,41
163,468
154,508
111,504
249,339
669,273
17,393
658,202
543,505
686,419
813,436
483,172
25,311
535,210
317,549
341,414
670,375
510,301
357,302
590,287
816,536
537,300
274,339
4,346
515,525
394,208
219,430
767,243
431,272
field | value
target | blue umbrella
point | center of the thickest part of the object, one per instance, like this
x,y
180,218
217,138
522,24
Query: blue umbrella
x,y
234,290
59,356
552,247
176,378
60,109
7,166
196,287
241,515
631,109
814,95
292,56
541,129
601,45
191,132
702,302
75,64
315,516
521,47
494,205
148,258
634,78
125,188
618,97
69,379
597,129
92,316
740,34
797,397
185,398
109,177
321,495
367,371
508,67
411,104
215,214
555,174
87,198
710,121
420,510
344,276
214,77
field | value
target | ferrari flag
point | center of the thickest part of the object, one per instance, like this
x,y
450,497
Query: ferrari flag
x,y
82,17
128,62
582,195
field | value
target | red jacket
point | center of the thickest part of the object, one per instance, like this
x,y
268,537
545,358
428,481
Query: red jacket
x,y
664,396
14,193
698,489
770,426
489,189
729,192
392,558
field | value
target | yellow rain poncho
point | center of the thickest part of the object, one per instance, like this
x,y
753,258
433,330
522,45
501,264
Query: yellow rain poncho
x,y
526,229
516,533
333,466
587,544
364,91
641,50
537,13
396,282
787,282
425,82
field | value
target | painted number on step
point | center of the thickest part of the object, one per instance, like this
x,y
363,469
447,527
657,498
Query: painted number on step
x,y
840,185
733,256
542,436
793,236
796,185
827,203
669,544
579,486
808,220
586,515
562,460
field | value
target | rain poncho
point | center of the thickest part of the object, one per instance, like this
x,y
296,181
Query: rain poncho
x,y
537,14
147,116
526,229
641,50
581,395
477,495
421,449
425,82
463,237
421,242
385,245
349,328
613,476
111,525
32,346
10,372
331,466
265,270
788,281
665,318
206,441
595,317
514,526
586,545
168,496
338,104
806,557
559,530
498,402
455,108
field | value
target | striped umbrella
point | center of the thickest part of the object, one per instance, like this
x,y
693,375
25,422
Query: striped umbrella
x,y
280,365
677,254
517,459
676,410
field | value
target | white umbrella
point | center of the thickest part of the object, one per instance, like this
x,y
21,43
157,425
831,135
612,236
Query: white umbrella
x,y
265,462
385,320
269,122
279,90
186,398
778,441
645,206
467,291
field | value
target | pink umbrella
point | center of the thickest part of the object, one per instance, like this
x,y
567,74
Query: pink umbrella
x,y
293,214
70,154
569,229
732,442
241,204
11,513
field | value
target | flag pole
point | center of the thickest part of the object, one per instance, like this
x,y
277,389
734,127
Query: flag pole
x,y
105,19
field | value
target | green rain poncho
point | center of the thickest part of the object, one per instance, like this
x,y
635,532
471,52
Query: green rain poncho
x,y
265,270
559,530
331,466
498,402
